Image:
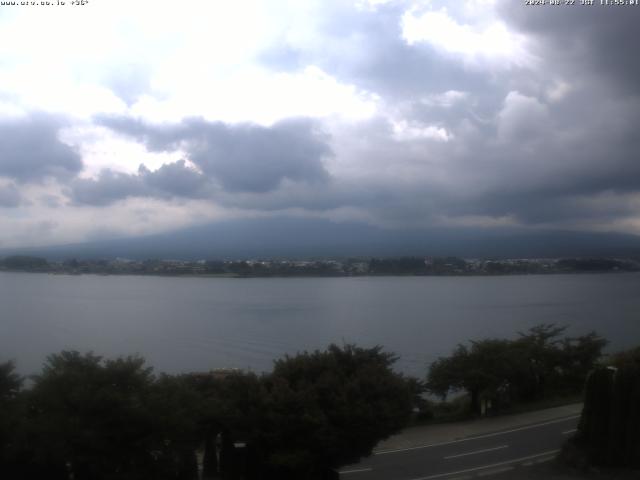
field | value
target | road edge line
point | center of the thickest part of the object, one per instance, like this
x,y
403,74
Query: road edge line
x,y
484,467
477,437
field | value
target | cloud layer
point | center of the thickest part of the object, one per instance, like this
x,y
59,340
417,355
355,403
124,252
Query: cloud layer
x,y
399,114
31,151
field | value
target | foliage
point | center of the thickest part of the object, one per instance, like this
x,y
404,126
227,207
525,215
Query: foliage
x,y
595,265
326,409
232,404
10,385
417,266
175,409
23,262
531,367
398,266
609,429
90,416
107,419
10,382
101,419
626,358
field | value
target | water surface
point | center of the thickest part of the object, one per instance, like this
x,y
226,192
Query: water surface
x,y
195,324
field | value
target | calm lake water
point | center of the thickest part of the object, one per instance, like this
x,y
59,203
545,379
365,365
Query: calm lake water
x,y
195,324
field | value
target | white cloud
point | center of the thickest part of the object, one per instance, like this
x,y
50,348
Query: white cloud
x,y
101,149
372,4
253,94
405,131
436,129
11,110
199,57
56,91
477,44
36,224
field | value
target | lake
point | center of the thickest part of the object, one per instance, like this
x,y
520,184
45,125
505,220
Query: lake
x,y
197,324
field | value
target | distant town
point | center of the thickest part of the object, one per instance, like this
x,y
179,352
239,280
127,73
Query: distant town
x,y
320,268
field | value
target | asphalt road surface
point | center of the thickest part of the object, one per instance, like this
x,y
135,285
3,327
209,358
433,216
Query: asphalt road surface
x,y
471,457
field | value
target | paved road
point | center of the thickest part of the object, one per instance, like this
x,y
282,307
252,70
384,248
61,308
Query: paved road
x,y
469,457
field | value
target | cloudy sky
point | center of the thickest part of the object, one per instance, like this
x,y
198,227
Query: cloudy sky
x,y
122,118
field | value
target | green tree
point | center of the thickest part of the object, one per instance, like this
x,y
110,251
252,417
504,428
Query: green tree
x,y
23,262
579,356
232,408
485,369
110,419
538,364
539,346
10,387
629,358
609,428
90,417
10,382
329,408
176,409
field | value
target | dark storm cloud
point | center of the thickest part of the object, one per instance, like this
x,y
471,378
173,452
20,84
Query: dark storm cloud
x,y
531,157
581,40
170,180
175,179
241,157
514,150
257,159
532,208
30,150
534,164
107,188
544,162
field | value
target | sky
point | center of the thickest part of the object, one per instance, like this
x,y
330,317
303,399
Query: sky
x,y
127,118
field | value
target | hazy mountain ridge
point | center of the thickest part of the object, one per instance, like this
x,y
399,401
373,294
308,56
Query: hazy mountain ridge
x,y
304,238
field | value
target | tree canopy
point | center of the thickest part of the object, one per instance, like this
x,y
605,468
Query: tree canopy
x,y
609,429
536,364
104,419
10,387
332,407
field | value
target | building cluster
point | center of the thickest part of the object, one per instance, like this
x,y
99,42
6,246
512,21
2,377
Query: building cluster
x,y
325,267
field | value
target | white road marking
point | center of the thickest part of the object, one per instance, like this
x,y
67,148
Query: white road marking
x,y
569,432
543,460
359,470
476,452
467,439
484,467
495,471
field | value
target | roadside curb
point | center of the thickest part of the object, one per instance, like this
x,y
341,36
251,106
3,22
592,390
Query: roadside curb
x,y
417,437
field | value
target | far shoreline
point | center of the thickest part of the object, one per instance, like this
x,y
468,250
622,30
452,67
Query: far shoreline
x,y
280,276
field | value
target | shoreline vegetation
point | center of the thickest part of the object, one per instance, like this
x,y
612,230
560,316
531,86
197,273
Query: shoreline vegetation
x,y
352,267
90,418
